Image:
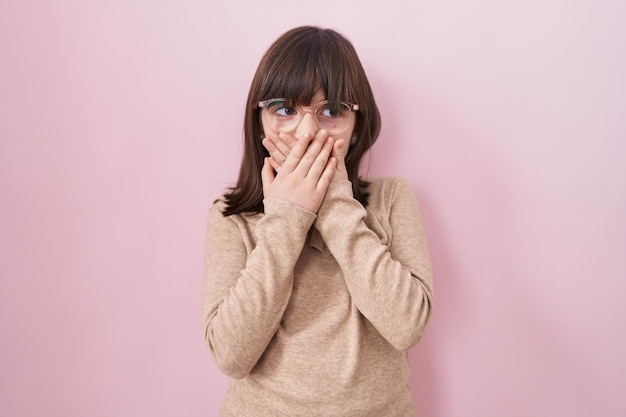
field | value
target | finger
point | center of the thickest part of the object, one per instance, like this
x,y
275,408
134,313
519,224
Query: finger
x,y
312,152
287,142
267,173
275,164
327,174
284,142
338,150
296,154
273,150
321,159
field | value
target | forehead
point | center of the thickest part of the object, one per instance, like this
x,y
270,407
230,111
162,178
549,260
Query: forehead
x,y
317,97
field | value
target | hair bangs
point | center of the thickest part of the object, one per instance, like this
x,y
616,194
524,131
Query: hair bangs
x,y
337,70
304,66
291,73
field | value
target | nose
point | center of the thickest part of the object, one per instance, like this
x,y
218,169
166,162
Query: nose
x,y
308,124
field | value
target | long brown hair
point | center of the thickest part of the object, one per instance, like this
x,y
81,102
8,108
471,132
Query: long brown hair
x,y
301,62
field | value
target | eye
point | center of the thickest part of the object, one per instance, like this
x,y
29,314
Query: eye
x,y
335,110
280,108
284,111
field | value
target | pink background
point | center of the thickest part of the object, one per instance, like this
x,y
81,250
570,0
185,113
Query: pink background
x,y
120,122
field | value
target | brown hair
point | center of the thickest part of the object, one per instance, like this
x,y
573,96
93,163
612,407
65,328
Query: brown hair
x,y
301,62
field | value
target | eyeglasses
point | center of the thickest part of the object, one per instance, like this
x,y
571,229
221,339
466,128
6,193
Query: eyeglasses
x,y
281,116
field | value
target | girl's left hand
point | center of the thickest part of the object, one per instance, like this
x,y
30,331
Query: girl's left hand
x,y
280,145
341,173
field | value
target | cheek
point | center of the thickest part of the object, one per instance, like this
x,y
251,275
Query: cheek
x,y
264,127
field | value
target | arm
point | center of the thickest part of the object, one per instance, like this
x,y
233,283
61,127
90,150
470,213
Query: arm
x,y
391,284
245,295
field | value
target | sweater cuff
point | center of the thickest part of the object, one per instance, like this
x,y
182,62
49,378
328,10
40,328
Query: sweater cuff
x,y
338,208
338,189
293,214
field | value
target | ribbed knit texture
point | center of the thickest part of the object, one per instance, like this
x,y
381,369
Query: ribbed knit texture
x,y
312,315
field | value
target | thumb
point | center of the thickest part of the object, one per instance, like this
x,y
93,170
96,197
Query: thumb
x,y
339,155
267,173
338,151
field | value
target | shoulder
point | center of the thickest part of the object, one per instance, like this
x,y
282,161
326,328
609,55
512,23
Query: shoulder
x,y
391,204
216,211
218,205
216,217
241,220
384,190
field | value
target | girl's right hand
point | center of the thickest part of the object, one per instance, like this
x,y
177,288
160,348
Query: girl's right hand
x,y
305,174
279,146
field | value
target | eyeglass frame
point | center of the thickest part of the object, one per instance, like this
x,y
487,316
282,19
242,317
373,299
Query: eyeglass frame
x,y
311,109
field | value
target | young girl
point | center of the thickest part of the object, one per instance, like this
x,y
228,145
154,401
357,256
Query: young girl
x,y
317,282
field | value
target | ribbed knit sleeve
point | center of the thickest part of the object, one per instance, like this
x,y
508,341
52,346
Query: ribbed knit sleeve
x,y
390,283
246,290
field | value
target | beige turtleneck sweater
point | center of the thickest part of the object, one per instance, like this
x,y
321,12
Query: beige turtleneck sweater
x,y
312,315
